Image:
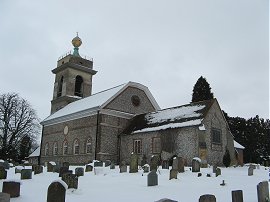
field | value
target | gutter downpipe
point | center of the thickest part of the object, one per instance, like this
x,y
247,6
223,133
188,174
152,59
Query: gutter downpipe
x,y
97,131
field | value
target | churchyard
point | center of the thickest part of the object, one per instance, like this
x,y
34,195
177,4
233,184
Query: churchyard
x,y
103,181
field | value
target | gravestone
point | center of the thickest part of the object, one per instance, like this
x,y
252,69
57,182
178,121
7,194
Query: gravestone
x,y
250,171
214,168
71,180
3,173
196,165
133,168
181,165
263,191
26,174
112,166
56,168
4,197
237,196
173,174
65,164
107,163
166,200
218,172
62,171
152,178
79,171
50,166
199,174
38,169
165,164
11,188
252,166
154,163
88,168
18,169
6,165
208,175
98,164
56,192
123,168
144,160
146,168
207,198
175,163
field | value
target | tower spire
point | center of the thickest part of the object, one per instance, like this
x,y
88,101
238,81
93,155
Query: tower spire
x,y
76,42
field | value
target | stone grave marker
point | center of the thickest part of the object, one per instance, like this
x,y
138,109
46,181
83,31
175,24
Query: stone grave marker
x,y
207,198
196,165
112,166
18,169
50,166
146,168
165,164
107,163
252,166
65,164
4,197
56,192
181,165
98,164
237,196
56,168
12,188
133,163
218,172
152,178
123,168
6,165
79,171
62,170
26,174
199,174
144,160
71,180
214,168
88,168
154,163
250,171
3,173
173,174
263,191
175,163
38,169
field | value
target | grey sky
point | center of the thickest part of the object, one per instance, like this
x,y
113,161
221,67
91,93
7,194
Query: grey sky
x,y
165,45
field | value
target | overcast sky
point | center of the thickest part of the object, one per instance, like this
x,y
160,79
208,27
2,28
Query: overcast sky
x,y
165,45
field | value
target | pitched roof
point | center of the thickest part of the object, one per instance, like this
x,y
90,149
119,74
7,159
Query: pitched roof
x,y
237,145
86,106
182,116
35,153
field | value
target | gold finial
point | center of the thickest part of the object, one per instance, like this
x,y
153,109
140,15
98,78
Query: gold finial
x,y
76,41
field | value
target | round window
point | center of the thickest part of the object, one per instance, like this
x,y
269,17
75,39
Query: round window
x,y
66,130
135,100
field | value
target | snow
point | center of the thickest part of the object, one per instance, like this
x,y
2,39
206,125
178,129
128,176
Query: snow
x,y
170,125
237,145
202,127
2,161
35,153
61,182
115,186
197,159
52,163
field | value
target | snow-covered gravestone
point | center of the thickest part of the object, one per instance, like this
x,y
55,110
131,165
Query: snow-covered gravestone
x,y
165,164
196,164
152,178
145,168
4,197
98,164
154,163
250,171
133,163
38,169
181,165
50,166
12,188
79,171
218,172
71,180
175,163
26,174
63,170
237,196
107,163
88,168
173,174
207,198
3,173
263,192
112,166
18,169
123,168
57,192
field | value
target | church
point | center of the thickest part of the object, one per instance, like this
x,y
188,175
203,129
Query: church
x,y
111,124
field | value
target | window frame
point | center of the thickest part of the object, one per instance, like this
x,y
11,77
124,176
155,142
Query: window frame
x,y
65,148
156,149
216,136
88,143
136,149
55,148
76,147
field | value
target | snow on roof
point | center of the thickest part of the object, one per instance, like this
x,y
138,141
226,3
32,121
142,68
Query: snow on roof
x,y
237,145
35,153
91,102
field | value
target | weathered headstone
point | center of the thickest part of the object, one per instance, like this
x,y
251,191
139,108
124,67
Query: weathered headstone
x,y
250,171
56,192
88,168
112,166
65,164
18,169
263,191
4,197
62,171
218,172
133,168
204,163
252,166
146,168
173,174
26,174
79,171
56,168
71,180
175,163
123,168
107,163
98,164
165,164
50,166
152,178
154,163
237,196
11,188
181,165
207,198
214,168
38,169
6,165
3,173
166,200
196,165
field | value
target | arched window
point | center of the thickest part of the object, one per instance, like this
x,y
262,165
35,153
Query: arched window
x,y
60,87
65,148
47,149
78,86
76,147
88,146
55,149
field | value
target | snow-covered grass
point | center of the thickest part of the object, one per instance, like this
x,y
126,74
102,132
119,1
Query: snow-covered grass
x,y
110,185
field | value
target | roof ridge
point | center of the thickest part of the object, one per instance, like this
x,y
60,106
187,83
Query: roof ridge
x,y
107,89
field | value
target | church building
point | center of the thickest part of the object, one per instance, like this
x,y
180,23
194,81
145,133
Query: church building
x,y
111,124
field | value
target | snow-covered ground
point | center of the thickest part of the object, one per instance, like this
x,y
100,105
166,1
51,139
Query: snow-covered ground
x,y
111,185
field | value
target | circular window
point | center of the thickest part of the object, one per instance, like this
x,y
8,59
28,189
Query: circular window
x,y
66,130
135,100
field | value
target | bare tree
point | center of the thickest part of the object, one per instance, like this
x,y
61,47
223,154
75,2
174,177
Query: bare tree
x,y
19,121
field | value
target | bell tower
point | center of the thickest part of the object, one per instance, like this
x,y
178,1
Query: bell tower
x,y
73,77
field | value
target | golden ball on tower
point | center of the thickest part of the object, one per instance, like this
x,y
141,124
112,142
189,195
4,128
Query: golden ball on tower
x,y
76,41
